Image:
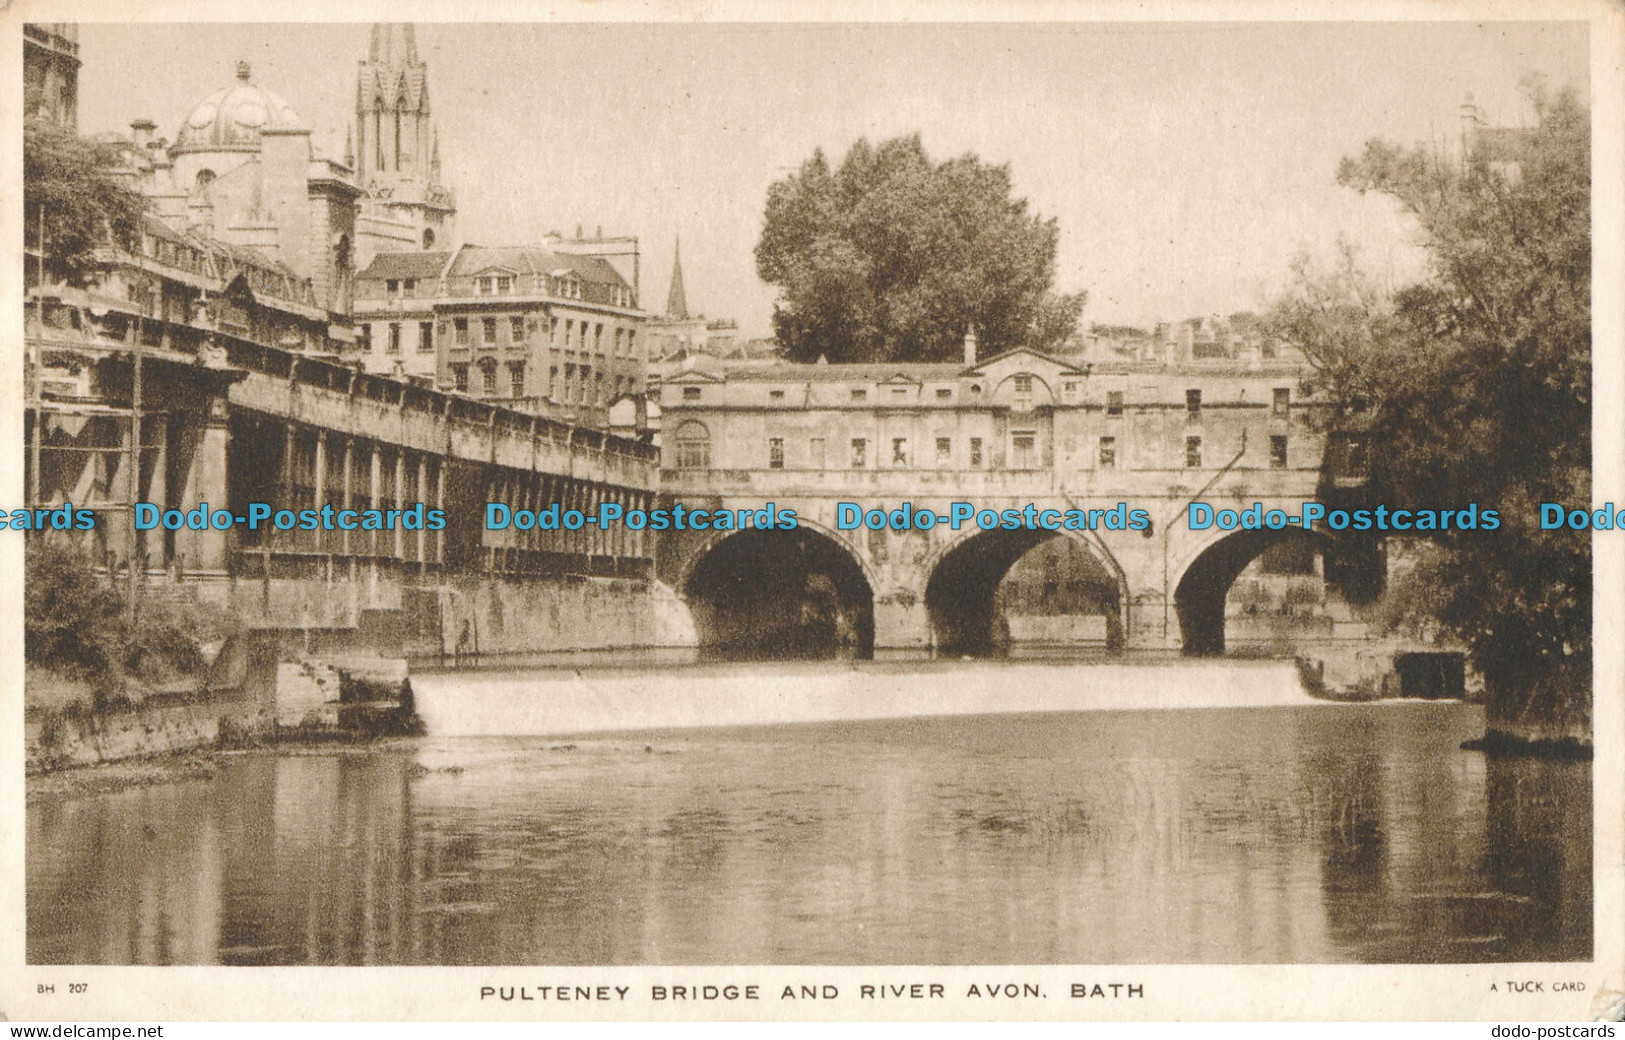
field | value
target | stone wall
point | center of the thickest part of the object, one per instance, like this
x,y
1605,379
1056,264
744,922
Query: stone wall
x,y
538,615
57,741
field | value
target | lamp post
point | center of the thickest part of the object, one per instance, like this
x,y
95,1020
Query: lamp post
x,y
34,357
137,565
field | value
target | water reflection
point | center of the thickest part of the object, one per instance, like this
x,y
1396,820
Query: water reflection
x,y
1312,834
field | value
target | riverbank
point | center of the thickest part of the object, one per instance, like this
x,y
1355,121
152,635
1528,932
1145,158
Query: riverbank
x,y
299,703
195,764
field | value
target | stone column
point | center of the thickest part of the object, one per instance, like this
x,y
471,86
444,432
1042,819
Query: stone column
x,y
399,535
205,481
319,495
440,503
423,496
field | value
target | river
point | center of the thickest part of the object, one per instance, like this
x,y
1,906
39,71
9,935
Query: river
x,y
1292,831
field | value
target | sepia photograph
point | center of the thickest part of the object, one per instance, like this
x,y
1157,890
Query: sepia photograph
x,y
982,494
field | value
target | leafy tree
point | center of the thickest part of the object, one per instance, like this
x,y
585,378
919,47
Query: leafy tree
x,y
1476,387
892,256
84,206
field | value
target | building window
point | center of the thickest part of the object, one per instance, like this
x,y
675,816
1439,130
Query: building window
x,y
410,286
504,284
569,334
366,339
1024,384
945,451
552,382
1356,458
488,332
1070,387
485,286
815,452
945,394
488,378
516,330
631,342
1278,451
516,377
775,453
975,452
860,395
1193,453
776,395
1108,453
392,286
1193,405
598,339
693,446
394,337
459,377
425,337
1283,400
461,325
1023,453
860,453
899,451
1114,402
691,393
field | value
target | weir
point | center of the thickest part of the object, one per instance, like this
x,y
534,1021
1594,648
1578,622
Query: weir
x,y
564,702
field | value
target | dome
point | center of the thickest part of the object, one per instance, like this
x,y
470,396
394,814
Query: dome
x,y
231,119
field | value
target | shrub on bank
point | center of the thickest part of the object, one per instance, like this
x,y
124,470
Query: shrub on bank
x,y
76,624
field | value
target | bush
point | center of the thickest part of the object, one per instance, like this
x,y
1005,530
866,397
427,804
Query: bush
x,y
73,619
75,623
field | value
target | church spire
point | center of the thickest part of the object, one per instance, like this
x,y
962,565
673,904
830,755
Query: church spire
x,y
397,147
677,299
393,43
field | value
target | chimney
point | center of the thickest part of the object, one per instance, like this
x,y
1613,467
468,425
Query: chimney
x,y
141,133
970,345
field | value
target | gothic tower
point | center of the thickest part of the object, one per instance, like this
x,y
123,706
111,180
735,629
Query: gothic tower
x,y
397,150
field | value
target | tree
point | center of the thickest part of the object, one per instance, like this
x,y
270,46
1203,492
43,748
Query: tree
x,y
1476,387
85,207
892,257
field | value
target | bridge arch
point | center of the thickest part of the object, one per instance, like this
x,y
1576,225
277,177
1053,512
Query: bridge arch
x,y
772,593
1206,575
962,581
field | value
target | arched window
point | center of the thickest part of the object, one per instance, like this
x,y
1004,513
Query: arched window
x,y
693,446
205,177
428,238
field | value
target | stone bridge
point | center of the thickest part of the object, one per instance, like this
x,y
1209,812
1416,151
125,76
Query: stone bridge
x,y
1016,430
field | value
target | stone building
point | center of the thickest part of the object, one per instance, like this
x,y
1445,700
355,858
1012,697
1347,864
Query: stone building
x,y
1021,410
553,333
242,171
51,72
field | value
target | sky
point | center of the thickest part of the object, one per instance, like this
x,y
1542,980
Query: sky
x,y
1185,163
